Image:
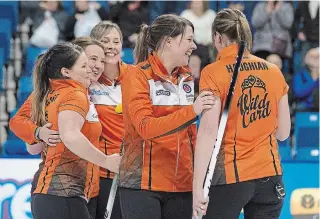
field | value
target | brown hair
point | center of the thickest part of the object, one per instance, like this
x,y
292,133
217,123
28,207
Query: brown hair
x,y
84,42
234,24
151,37
48,66
102,28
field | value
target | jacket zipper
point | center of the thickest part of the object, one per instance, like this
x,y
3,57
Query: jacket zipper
x,y
177,163
178,136
191,148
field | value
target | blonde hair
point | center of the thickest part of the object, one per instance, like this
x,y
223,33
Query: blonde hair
x,y
104,27
234,24
84,42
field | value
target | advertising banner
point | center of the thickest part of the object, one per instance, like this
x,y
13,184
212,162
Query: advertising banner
x,y
301,185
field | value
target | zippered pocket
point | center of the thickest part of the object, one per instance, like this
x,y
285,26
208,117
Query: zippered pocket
x,y
190,134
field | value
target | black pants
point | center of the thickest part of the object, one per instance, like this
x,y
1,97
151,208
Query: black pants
x,y
105,187
258,198
142,204
53,207
92,207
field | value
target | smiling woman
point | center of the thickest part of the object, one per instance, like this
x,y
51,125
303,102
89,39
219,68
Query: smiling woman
x,y
94,51
61,79
107,97
158,112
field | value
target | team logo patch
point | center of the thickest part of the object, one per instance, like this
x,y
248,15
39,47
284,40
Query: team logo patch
x,y
163,92
187,88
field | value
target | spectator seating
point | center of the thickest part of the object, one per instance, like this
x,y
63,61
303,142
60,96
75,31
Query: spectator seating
x,y
68,6
306,135
10,10
5,36
13,145
2,61
127,55
25,89
32,54
285,149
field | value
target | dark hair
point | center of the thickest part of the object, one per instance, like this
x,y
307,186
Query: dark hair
x,y
59,2
102,28
234,24
84,42
151,37
48,66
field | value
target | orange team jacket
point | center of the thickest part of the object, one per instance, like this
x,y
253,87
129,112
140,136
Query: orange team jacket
x,y
159,131
106,95
249,148
61,172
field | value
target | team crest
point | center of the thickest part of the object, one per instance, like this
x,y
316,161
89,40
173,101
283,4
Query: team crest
x,y
187,88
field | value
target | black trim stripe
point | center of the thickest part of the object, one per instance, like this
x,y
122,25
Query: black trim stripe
x,y
90,182
106,153
236,174
183,126
274,161
72,105
44,178
150,165
146,66
105,146
191,146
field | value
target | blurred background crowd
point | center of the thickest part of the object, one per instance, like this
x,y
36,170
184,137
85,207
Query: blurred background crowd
x,y
285,33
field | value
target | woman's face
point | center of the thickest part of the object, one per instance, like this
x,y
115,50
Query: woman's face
x,y
195,66
113,46
96,61
80,71
181,47
196,5
82,5
312,58
52,5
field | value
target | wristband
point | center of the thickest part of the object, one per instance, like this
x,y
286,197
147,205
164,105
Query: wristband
x,y
36,133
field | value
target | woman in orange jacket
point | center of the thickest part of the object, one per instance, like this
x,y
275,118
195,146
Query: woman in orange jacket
x,y
156,171
22,125
248,172
67,175
107,97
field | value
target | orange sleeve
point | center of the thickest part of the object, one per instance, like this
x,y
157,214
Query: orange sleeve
x,y
138,106
208,82
75,101
22,125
